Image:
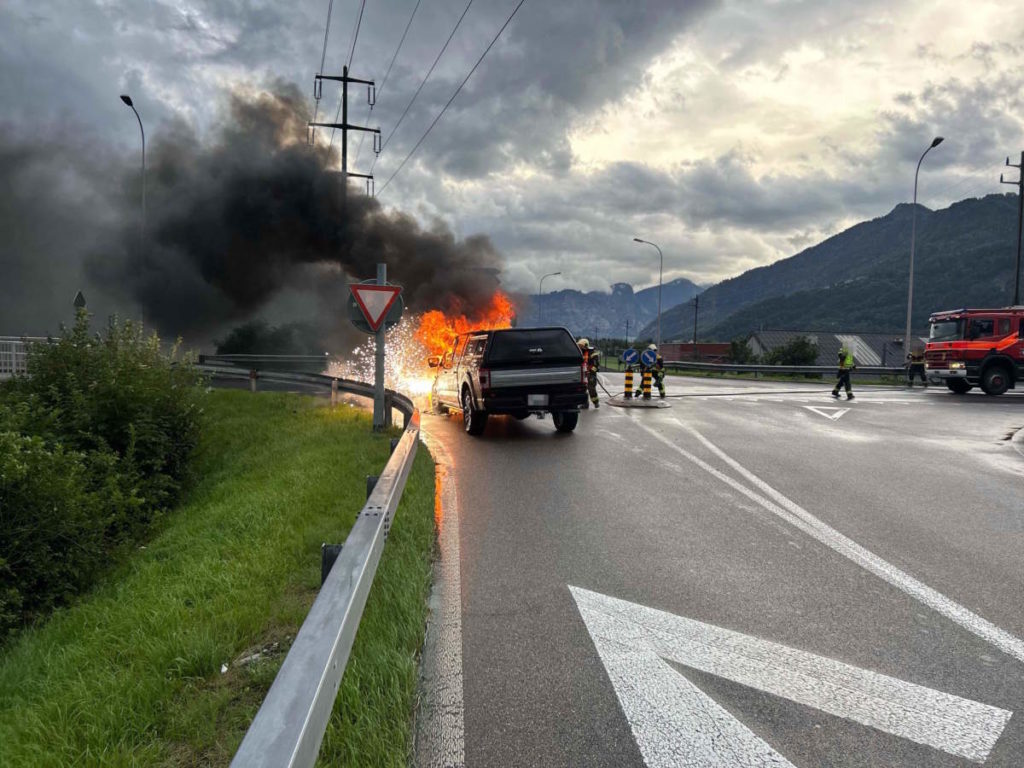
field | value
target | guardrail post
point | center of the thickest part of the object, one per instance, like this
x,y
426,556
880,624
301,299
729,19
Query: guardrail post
x,y
328,554
252,379
394,444
334,392
371,483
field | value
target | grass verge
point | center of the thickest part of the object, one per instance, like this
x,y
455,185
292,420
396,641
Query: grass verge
x,y
131,674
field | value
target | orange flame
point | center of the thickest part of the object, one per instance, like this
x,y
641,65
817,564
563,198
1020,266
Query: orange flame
x,y
437,331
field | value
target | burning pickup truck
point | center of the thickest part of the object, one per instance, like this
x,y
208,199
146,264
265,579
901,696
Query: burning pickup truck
x,y
514,371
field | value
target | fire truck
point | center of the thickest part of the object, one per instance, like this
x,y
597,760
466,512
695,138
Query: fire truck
x,y
976,348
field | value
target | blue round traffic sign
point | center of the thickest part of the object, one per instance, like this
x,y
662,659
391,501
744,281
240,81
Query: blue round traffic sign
x,y
648,357
630,356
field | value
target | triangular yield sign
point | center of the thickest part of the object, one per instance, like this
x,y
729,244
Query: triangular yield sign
x,y
375,301
671,717
835,414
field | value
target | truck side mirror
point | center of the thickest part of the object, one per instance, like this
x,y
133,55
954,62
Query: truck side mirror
x,y
434,361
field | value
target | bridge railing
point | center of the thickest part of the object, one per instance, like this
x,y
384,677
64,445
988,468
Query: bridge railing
x,y
290,724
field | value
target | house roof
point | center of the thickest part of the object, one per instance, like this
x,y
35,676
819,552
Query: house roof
x,y
868,348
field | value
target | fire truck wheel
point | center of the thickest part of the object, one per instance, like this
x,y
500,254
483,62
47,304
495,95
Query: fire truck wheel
x,y
958,386
995,380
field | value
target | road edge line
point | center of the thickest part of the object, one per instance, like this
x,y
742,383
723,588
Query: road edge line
x,y
440,735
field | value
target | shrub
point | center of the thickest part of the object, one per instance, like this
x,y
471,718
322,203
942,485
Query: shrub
x,y
94,445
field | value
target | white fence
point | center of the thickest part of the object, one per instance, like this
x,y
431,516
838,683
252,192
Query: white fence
x,y
13,354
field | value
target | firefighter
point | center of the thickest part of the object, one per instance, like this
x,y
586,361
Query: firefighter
x,y
846,365
657,372
915,364
591,363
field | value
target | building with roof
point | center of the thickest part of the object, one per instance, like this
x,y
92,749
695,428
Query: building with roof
x,y
884,349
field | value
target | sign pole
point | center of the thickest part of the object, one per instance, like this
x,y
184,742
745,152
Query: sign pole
x,y
378,378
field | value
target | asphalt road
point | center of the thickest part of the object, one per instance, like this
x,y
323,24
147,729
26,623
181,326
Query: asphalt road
x,y
757,575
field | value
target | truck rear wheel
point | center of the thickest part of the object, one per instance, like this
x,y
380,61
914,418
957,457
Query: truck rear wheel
x,y
958,386
995,380
473,420
565,421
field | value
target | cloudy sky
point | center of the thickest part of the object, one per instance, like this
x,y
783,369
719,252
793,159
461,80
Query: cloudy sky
x,y
731,133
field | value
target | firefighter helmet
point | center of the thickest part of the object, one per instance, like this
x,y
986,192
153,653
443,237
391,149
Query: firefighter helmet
x,y
584,343
653,347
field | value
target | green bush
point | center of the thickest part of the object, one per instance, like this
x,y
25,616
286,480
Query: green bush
x,y
94,446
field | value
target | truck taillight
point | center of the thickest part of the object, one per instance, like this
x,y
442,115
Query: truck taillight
x,y
485,378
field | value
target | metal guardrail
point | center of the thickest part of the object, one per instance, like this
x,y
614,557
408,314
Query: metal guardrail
x,y
827,370
290,724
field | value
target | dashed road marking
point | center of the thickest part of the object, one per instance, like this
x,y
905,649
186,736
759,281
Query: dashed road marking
x,y
675,723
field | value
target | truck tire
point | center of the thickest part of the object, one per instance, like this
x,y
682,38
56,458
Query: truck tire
x,y
958,386
435,407
995,380
473,420
565,421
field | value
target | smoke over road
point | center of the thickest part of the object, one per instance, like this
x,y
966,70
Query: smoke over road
x,y
246,217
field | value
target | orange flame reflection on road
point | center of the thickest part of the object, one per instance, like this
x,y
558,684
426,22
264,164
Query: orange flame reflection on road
x,y
437,331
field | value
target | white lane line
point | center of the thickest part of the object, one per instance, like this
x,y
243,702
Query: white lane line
x,y
632,639
799,517
441,733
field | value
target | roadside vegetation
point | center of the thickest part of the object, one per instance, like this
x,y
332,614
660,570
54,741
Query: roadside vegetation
x,y
134,672
94,450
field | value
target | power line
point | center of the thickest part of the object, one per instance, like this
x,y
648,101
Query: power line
x,y
323,57
351,53
383,82
448,104
427,77
355,33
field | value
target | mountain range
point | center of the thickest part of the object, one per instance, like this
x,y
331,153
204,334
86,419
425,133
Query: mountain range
x,y
598,314
857,280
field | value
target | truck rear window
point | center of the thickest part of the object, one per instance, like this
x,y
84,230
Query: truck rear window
x,y
524,346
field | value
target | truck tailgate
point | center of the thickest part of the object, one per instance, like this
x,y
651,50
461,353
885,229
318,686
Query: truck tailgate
x,y
535,377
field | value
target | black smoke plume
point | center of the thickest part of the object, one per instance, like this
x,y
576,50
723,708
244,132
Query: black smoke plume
x,y
249,221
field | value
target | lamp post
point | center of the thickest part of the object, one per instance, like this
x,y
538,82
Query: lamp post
x,y
913,233
661,265
128,101
540,292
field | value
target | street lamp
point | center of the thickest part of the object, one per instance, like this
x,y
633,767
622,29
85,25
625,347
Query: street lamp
x,y
661,264
913,232
128,101
540,291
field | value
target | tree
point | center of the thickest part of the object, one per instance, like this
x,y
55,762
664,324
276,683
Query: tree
x,y
740,351
799,351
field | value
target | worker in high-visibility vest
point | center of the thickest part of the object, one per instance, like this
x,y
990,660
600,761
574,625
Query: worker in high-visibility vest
x,y
846,365
591,363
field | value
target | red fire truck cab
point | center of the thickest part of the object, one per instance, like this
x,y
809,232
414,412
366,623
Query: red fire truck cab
x,y
976,348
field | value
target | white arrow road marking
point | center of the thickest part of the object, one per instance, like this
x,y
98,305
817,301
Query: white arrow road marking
x,y
675,723
836,414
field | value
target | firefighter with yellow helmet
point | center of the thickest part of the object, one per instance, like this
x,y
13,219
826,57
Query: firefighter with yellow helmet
x,y
591,364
